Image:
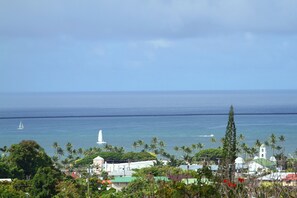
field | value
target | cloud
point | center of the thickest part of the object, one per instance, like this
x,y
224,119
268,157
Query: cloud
x,y
145,20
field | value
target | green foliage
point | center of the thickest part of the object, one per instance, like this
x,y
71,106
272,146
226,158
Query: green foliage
x,y
116,157
210,154
7,191
69,189
5,171
27,157
138,156
45,181
157,171
229,147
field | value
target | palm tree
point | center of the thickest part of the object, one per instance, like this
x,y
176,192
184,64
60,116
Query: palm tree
x,y
272,142
200,146
55,146
282,140
213,140
145,147
80,151
154,140
176,148
135,145
140,142
244,148
258,143
161,144
69,147
60,151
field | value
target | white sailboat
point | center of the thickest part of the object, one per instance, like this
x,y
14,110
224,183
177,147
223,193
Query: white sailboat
x,y
21,126
100,138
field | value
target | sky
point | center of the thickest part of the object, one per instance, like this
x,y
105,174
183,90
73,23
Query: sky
x,y
132,45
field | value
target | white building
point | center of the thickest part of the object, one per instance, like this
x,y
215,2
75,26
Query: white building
x,y
239,163
97,165
261,164
262,152
119,169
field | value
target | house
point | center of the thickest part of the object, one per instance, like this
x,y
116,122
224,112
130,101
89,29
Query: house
x,y
290,180
195,181
6,180
259,165
118,169
97,165
239,163
273,177
196,167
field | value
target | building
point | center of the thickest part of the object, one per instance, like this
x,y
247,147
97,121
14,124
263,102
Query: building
x,y
290,180
196,167
259,165
118,169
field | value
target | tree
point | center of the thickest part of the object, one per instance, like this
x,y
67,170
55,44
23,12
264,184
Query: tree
x,y
5,171
68,189
69,148
229,148
7,190
212,154
55,146
28,156
44,182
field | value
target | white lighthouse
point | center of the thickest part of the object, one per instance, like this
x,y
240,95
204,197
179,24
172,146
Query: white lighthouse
x,y
262,152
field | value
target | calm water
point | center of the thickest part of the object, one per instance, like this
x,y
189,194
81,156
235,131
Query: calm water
x,y
178,118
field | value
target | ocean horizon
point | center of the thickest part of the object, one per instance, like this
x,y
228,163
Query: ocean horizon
x,y
176,117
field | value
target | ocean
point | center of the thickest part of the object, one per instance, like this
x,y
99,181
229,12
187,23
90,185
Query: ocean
x,y
177,117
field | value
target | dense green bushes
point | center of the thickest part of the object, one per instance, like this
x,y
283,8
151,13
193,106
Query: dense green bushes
x,y
115,157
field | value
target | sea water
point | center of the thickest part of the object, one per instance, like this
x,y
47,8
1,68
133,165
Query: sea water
x,y
177,118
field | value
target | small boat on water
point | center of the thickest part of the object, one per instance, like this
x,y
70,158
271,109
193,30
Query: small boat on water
x,y
100,138
211,135
21,126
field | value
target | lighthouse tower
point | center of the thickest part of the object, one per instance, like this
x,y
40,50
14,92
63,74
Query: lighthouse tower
x,y
262,152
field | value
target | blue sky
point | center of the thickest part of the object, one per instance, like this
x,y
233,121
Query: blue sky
x,y
132,45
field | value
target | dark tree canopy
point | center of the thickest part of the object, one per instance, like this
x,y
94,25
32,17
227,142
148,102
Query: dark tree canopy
x,y
229,147
45,181
28,156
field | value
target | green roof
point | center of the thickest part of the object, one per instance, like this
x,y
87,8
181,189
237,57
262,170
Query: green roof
x,y
123,179
158,178
265,162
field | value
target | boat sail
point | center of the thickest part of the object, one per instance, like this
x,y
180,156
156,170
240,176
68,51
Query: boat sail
x,y
100,138
21,126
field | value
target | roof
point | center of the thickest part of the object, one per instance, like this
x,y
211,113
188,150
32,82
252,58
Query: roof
x,y
5,180
265,162
130,179
195,181
275,176
239,160
197,166
98,158
123,179
291,177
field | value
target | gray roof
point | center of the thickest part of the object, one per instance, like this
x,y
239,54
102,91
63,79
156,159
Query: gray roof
x,y
198,166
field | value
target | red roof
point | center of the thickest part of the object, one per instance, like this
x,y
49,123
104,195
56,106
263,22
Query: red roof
x,y
106,181
291,177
